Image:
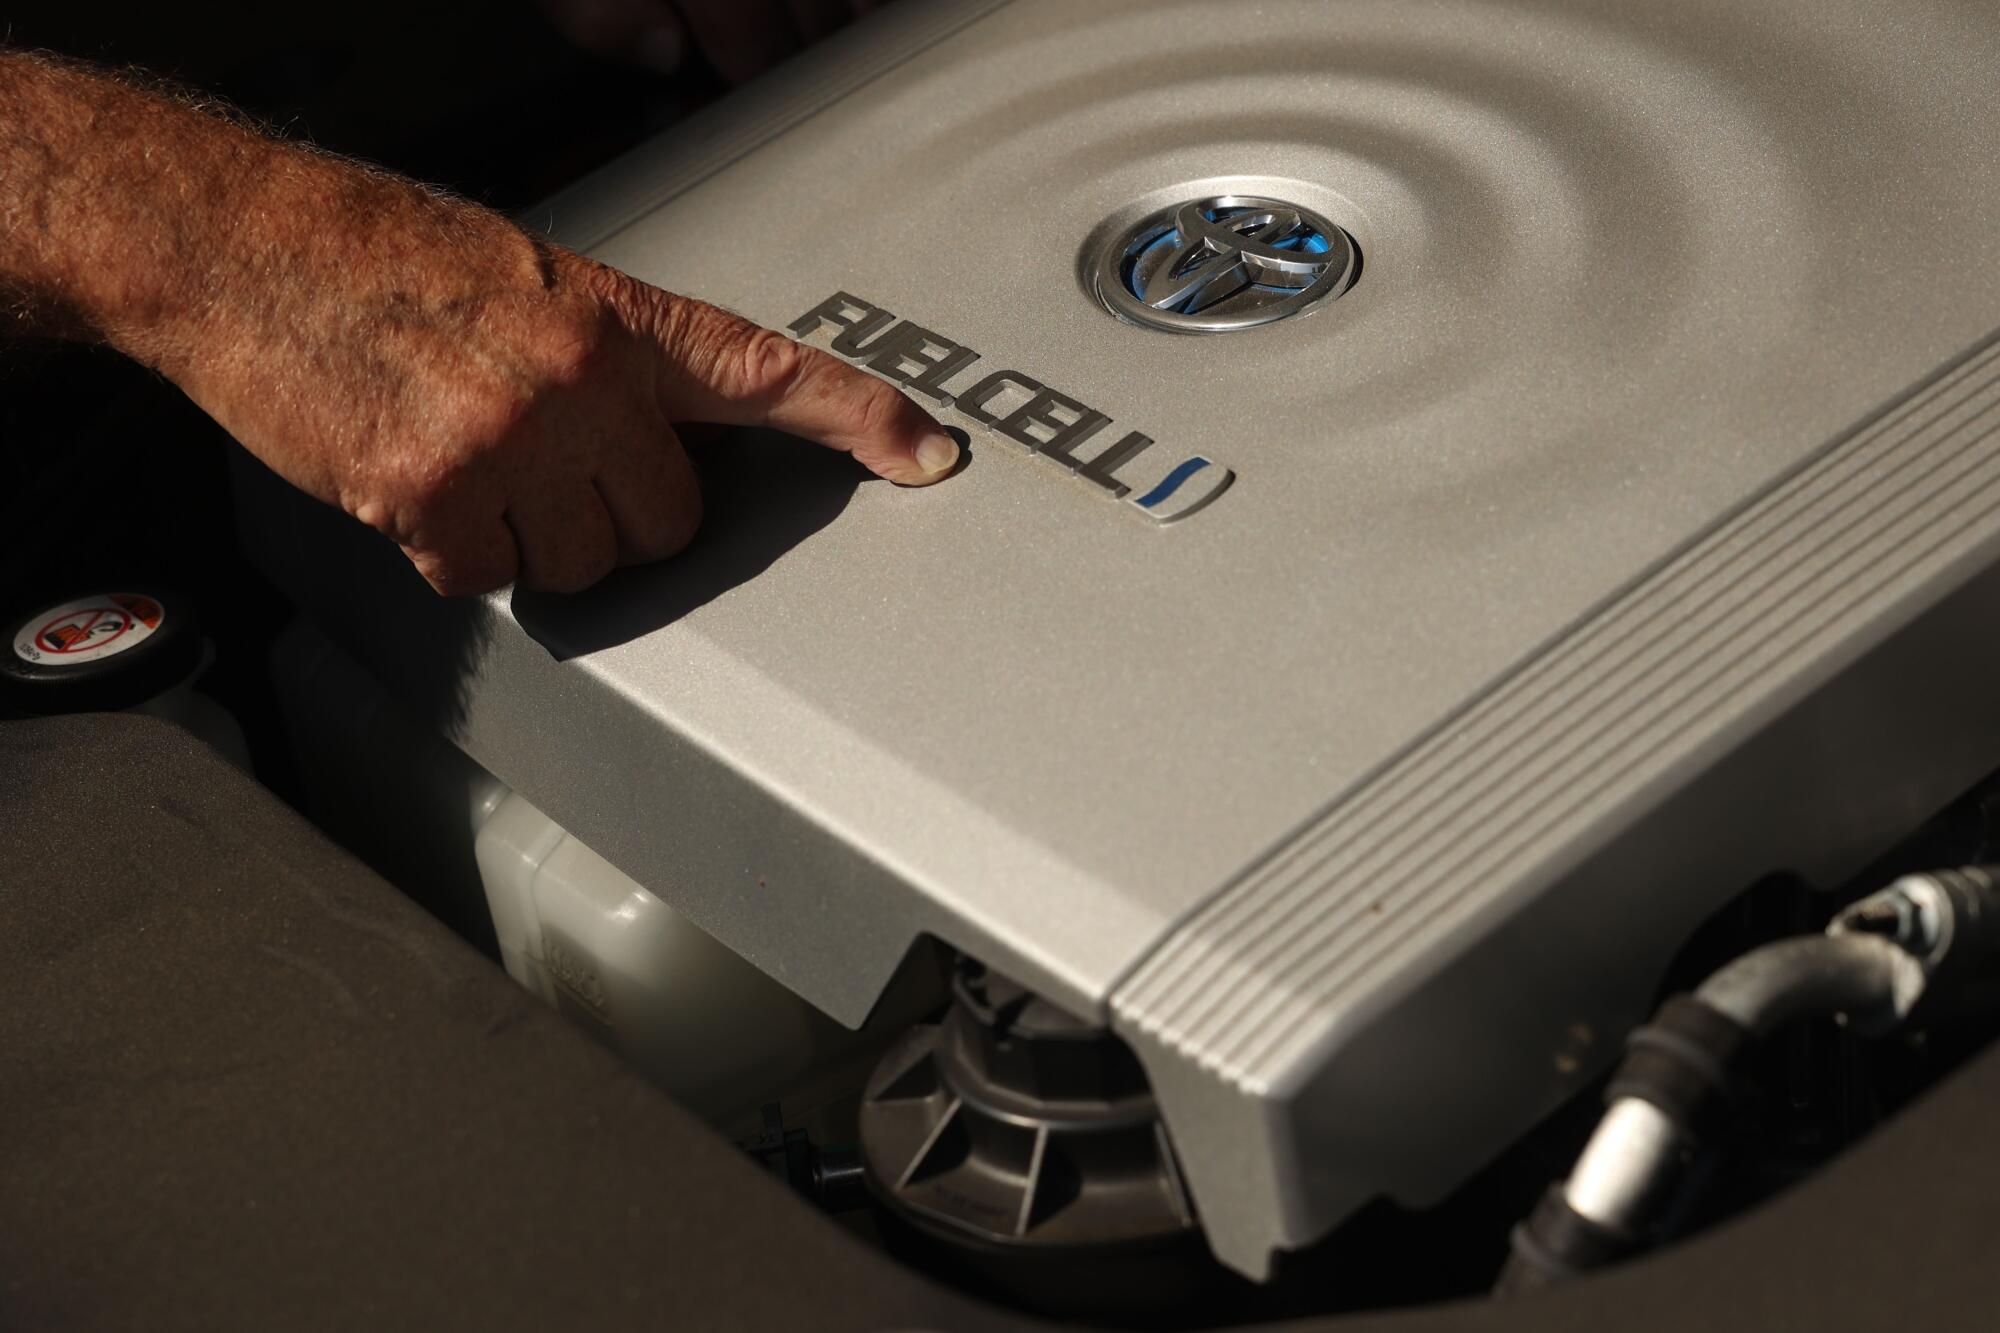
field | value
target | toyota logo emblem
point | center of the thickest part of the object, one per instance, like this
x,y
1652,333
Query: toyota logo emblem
x,y
1223,262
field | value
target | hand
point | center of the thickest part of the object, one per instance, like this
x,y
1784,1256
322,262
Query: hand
x,y
740,38
502,408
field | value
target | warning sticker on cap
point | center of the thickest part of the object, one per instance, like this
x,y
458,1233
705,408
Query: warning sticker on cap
x,y
88,629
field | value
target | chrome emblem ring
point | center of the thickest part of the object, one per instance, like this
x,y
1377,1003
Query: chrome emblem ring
x,y
1221,263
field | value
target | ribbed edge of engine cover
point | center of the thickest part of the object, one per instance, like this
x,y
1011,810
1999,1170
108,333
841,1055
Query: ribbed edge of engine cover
x,y
1247,1002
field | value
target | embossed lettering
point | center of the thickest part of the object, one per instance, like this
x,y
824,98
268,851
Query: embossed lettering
x,y
840,308
1055,424
1101,468
919,360
972,402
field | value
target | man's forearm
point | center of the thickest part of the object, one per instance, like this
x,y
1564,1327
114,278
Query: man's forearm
x,y
114,203
146,222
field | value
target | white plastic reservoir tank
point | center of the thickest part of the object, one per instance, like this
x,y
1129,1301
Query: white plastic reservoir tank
x,y
587,938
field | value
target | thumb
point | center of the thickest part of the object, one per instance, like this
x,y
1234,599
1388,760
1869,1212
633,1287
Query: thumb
x,y
725,369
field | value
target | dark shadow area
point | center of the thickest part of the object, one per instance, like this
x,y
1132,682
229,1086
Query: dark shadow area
x,y
763,493
364,594
110,478
485,99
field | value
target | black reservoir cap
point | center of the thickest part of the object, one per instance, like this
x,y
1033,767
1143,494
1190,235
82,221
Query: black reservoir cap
x,y
96,652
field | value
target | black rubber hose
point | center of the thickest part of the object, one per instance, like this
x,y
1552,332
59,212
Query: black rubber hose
x,y
1688,1063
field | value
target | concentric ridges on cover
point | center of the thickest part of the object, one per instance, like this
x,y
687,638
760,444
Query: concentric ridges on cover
x,y
1443,833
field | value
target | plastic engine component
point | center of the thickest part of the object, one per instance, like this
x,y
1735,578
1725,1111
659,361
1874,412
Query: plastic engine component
x,y
97,652
1015,1123
600,948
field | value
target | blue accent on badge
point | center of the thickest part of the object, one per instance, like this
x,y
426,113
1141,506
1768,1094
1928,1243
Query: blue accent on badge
x,y
1171,483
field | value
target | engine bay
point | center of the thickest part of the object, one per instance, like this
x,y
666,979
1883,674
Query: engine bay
x,y
1441,741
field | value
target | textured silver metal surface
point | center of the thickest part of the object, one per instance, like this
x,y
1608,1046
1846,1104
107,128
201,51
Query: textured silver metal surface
x,y
1253,979
1787,639
1628,270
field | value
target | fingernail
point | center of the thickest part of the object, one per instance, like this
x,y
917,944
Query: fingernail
x,y
659,49
937,453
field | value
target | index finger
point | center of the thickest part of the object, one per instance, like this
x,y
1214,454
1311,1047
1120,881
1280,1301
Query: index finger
x,y
722,368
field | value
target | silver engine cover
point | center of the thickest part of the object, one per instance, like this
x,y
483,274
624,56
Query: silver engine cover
x,y
1627,531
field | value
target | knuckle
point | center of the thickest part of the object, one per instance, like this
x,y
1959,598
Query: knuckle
x,y
770,363
574,575
425,494
574,343
451,582
639,304
402,501
568,554
879,410
735,357
453,577
601,562
486,415
680,529
666,529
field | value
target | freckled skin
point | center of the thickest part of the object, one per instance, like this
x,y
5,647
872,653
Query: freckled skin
x,y
500,407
